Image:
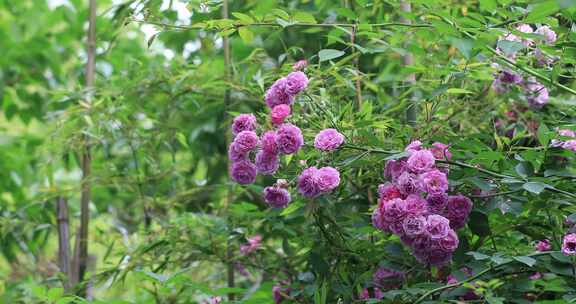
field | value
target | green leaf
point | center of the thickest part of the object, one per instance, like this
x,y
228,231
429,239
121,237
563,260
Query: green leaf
x,y
291,208
534,187
280,13
246,34
464,46
329,54
458,91
478,256
303,17
488,5
479,223
526,260
544,135
55,294
542,10
510,47
243,17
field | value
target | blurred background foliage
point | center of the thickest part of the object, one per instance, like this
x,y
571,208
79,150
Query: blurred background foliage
x,y
162,215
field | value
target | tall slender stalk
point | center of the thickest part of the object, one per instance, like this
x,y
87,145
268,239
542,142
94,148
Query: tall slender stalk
x,y
63,241
86,159
408,59
229,198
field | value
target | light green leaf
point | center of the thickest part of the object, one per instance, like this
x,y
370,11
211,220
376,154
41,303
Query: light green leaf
x,y
329,54
534,187
303,17
246,34
243,17
458,91
542,10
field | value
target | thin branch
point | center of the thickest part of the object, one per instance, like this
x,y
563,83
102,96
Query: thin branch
x,y
85,195
63,241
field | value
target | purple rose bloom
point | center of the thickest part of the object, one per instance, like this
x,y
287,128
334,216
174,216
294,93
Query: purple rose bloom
x,y
450,242
246,141
438,257
394,210
296,82
268,142
548,34
278,293
277,197
235,154
395,168
300,65
437,202
413,146
416,205
327,179
378,220
525,28
244,122
406,183
397,227
433,181
536,93
308,183
457,210
421,161
543,245
289,138
328,140
570,145
569,244
267,163
243,172
388,191
414,225
441,151
437,226
421,243
277,95
279,113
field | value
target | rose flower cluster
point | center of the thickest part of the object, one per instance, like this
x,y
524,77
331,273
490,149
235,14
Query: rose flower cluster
x,y
284,139
535,92
416,207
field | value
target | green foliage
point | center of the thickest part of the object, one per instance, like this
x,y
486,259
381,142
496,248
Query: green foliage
x,y
166,220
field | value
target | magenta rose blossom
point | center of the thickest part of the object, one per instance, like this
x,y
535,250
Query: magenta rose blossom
x,y
543,245
416,205
414,146
328,140
252,245
388,191
437,202
243,172
267,163
440,151
300,65
394,210
395,168
421,161
569,244
450,242
276,94
308,183
437,226
296,82
548,34
433,181
414,225
289,138
378,220
570,145
457,210
277,197
244,122
327,179
246,141
279,113
235,154
407,183
268,142
537,94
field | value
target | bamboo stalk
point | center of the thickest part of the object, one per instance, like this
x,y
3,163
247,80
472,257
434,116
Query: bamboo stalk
x,y
63,241
408,59
227,74
85,196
